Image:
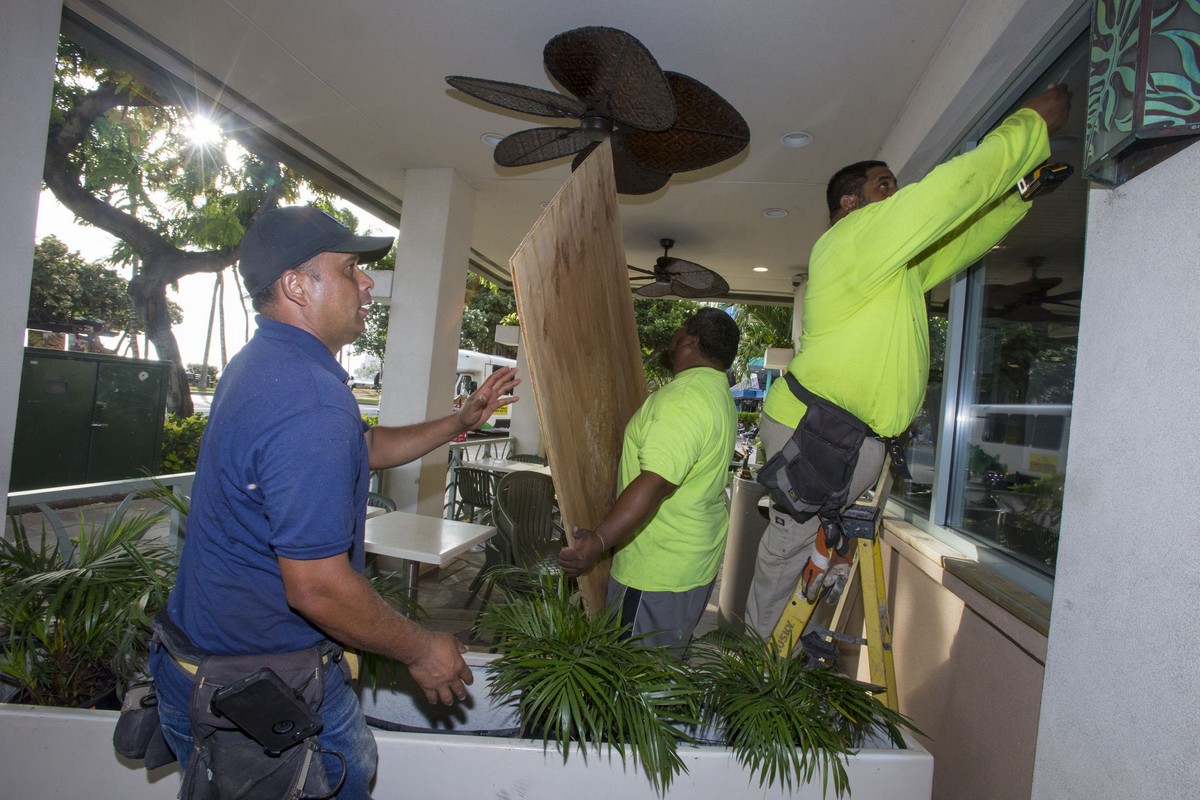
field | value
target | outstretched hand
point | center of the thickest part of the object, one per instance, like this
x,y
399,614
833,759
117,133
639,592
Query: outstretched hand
x,y
494,392
1053,105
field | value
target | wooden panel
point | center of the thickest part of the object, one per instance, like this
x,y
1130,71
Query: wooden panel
x,y
580,339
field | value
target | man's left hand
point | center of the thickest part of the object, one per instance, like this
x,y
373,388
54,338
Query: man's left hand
x,y
494,392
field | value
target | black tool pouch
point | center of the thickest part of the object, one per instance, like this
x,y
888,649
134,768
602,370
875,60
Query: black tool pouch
x,y
138,733
226,763
811,474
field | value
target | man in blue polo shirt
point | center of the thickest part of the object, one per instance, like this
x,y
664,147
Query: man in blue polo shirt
x,y
274,551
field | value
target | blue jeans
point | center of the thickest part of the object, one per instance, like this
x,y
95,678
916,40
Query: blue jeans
x,y
345,730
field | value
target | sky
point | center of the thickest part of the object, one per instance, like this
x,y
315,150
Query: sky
x,y
195,293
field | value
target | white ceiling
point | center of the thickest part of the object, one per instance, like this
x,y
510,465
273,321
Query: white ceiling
x,y
358,87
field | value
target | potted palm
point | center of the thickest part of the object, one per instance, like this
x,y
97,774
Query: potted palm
x,y
598,716
75,624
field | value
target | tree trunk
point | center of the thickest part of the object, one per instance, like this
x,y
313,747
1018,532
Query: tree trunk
x,y
150,302
212,312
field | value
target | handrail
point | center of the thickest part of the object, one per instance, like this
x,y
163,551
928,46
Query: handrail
x,y
178,483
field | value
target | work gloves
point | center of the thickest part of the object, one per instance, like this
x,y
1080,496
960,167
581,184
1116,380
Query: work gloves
x,y
823,570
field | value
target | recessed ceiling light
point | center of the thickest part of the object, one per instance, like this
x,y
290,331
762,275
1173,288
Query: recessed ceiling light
x,y
492,139
796,139
759,269
775,213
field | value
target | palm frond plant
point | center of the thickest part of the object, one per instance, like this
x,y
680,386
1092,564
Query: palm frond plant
x,y
577,682
74,624
783,719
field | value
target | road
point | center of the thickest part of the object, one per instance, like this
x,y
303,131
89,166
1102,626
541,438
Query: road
x,y
201,401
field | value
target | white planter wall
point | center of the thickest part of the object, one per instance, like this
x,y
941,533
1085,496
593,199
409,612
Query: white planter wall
x,y
55,752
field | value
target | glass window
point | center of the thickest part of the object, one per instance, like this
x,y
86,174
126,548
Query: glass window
x,y
1012,323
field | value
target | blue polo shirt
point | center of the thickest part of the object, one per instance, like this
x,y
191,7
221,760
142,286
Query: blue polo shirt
x,y
282,472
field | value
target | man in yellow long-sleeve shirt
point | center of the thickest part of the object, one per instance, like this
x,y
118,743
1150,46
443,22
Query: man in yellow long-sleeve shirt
x,y
865,346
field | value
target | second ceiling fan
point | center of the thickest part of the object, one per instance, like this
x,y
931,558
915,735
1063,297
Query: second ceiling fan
x,y
678,277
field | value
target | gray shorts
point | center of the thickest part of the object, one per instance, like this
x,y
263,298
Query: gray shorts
x,y
668,617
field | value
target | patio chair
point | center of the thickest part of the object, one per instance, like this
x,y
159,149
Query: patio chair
x,y
475,494
527,535
377,500
528,458
524,509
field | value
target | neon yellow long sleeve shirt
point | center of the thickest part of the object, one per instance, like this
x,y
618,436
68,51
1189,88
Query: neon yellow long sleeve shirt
x,y
865,344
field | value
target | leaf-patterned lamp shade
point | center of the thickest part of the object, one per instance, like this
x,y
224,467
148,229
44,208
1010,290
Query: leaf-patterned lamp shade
x,y
1143,85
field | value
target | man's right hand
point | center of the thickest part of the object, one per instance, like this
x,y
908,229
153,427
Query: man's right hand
x,y
440,670
586,549
1054,105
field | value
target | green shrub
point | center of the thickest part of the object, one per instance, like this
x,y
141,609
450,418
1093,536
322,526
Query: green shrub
x,y
181,442
372,421
747,419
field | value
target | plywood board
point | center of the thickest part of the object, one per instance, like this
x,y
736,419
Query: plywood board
x,y
580,339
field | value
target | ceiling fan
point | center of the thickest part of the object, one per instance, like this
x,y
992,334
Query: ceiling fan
x,y
1026,301
659,122
678,277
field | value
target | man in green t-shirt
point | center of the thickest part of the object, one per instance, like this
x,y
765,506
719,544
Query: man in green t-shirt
x,y
669,522
865,345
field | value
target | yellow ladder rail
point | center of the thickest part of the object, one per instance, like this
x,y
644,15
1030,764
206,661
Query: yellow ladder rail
x,y
866,570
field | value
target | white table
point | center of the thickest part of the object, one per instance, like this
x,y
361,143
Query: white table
x,y
418,539
504,465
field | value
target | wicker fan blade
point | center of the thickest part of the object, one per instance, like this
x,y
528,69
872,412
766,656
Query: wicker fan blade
x,y
688,272
614,74
525,99
999,297
631,177
1064,298
707,130
538,144
656,289
718,288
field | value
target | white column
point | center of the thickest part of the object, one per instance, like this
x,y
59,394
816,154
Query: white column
x,y
801,282
424,322
524,426
28,44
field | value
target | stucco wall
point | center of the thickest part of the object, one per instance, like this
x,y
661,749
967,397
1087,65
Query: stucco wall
x,y
1121,707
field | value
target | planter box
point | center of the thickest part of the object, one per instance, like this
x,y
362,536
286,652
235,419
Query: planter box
x,y
55,752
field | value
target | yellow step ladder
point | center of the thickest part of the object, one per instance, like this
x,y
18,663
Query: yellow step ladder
x,y
866,570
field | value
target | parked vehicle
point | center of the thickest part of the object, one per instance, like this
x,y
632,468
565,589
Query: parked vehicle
x,y
473,369
1029,440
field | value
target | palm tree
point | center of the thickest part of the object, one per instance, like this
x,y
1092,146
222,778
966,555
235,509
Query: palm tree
x,y
761,327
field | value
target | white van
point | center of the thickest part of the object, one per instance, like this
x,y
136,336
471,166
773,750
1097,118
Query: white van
x,y
1030,440
473,369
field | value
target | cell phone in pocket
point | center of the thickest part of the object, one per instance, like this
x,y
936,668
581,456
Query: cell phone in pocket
x,y
267,710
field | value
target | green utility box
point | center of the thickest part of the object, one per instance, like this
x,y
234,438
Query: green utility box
x,y
86,418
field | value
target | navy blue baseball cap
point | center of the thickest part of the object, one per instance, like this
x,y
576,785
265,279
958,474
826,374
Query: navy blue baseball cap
x,y
284,238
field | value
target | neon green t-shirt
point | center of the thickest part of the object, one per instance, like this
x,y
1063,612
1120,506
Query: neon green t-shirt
x,y
685,433
865,344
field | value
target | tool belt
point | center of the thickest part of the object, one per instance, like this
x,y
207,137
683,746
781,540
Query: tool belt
x,y
226,761
811,474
